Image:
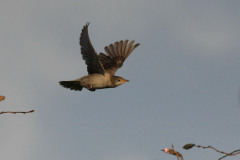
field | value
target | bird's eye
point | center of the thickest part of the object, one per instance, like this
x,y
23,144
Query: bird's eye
x,y
119,80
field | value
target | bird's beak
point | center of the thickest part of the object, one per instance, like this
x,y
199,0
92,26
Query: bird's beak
x,y
125,80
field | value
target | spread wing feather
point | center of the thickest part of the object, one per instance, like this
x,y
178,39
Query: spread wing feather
x,y
89,54
115,55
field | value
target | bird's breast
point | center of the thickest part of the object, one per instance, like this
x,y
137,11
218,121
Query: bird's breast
x,y
97,81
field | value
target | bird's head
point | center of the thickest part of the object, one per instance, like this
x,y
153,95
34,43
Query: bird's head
x,y
118,80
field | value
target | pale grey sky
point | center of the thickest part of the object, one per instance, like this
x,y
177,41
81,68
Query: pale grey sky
x,y
184,80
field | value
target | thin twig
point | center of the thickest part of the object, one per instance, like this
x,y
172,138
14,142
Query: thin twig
x,y
173,152
2,98
229,155
16,112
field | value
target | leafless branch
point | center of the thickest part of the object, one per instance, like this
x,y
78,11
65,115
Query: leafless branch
x,y
230,153
188,146
2,98
173,152
16,112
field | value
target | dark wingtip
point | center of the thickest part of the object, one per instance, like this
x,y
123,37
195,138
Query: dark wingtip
x,y
86,26
137,44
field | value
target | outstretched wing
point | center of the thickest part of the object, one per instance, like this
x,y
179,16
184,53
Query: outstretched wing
x,y
115,55
89,54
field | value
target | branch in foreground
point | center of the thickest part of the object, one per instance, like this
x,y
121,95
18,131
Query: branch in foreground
x,y
2,98
17,112
188,146
173,152
230,153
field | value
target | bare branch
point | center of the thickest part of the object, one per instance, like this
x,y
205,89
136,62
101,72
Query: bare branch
x,y
2,98
188,146
17,112
231,154
173,152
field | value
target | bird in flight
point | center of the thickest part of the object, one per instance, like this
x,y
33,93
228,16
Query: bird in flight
x,y
101,67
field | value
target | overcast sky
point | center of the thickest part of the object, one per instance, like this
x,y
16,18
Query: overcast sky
x,y
184,80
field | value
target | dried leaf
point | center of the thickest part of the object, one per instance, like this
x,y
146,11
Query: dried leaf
x,y
2,98
188,146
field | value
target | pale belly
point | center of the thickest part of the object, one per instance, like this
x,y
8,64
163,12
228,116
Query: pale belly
x,y
97,81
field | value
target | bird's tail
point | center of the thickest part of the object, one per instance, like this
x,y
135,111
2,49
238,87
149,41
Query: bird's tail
x,y
73,85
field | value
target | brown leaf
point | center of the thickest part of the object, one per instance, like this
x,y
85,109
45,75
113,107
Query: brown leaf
x,y
188,146
2,98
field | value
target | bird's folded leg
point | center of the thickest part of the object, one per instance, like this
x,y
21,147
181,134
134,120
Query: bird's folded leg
x,y
89,87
